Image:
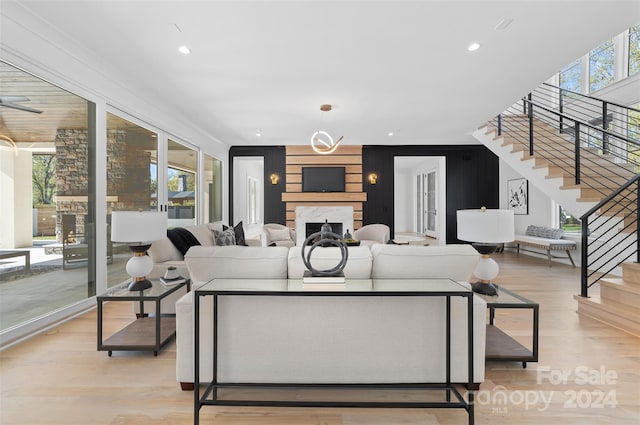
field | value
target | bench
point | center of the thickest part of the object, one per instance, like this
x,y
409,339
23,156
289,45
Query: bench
x,y
11,254
546,238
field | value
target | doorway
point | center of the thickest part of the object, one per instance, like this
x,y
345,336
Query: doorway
x,y
420,198
248,194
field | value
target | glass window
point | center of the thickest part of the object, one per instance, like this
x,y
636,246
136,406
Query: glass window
x,y
47,194
571,80
634,50
571,76
601,66
131,183
633,132
212,190
181,184
568,222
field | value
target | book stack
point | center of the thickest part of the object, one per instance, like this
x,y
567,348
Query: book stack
x,y
172,281
323,283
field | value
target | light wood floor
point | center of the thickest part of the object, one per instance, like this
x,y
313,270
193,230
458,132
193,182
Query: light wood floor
x,y
60,378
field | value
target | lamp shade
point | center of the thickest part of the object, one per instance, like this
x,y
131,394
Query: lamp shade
x,y
485,226
138,227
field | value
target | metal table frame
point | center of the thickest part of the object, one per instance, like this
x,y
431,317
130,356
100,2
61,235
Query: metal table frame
x,y
142,323
528,355
210,395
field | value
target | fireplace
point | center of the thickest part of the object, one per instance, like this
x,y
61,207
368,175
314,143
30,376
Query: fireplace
x,y
311,227
340,218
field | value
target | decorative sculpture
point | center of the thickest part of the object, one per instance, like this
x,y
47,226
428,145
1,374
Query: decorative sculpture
x,y
325,237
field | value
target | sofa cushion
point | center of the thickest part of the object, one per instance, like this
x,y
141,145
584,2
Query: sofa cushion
x,y
276,235
241,262
163,250
455,262
225,237
202,234
358,263
544,232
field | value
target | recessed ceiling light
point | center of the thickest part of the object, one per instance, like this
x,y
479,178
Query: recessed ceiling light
x,y
390,133
473,47
184,50
259,134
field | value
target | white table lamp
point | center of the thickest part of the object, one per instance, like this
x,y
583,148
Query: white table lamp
x,y
486,229
138,230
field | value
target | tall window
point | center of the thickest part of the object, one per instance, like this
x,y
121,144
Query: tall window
x,y
634,50
181,184
47,199
601,66
131,182
633,132
571,76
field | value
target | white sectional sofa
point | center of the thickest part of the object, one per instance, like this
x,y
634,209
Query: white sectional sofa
x,y
304,339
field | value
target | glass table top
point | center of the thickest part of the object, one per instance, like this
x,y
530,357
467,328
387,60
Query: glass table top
x,y
349,286
505,298
122,291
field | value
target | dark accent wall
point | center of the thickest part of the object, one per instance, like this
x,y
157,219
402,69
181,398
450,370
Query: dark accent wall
x,y
472,179
274,162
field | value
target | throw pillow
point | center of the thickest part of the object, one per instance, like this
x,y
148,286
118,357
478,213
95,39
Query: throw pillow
x,y
279,235
225,237
239,232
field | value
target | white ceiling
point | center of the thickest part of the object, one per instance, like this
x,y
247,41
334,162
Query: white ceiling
x,y
399,66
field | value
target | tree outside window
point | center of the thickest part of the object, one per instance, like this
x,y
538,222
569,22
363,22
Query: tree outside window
x,y
571,78
43,176
634,50
568,222
633,132
601,66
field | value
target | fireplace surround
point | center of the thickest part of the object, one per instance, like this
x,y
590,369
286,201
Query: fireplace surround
x,y
340,218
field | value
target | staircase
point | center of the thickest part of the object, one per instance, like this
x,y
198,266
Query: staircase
x,y
618,302
576,149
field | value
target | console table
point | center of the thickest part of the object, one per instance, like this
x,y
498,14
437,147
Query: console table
x,y
224,291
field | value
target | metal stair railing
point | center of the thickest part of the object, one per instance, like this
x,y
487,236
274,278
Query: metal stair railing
x,y
587,139
601,113
598,258
532,127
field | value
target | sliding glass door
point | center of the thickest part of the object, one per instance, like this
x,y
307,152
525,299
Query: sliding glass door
x,y
182,178
132,182
47,199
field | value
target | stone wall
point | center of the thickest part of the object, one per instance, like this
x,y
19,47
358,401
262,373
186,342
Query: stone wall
x,y
72,177
128,179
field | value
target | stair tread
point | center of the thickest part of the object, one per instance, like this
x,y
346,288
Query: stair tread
x,y
621,285
612,307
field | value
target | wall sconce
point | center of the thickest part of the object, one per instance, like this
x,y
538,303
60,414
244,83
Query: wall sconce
x,y
274,179
373,178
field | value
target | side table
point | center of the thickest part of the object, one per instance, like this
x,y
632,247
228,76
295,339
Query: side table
x,y
145,333
500,345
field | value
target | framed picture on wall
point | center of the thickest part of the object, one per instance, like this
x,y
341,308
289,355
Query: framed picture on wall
x,y
518,196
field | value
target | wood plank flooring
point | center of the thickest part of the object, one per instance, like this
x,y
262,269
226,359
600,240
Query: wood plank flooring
x,y
59,377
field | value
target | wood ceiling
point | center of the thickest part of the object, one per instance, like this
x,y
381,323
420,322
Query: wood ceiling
x,y
60,109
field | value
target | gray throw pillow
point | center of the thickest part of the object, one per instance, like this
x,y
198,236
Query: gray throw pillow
x,y
225,237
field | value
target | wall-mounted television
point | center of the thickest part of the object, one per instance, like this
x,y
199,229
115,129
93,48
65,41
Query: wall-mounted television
x,y
323,179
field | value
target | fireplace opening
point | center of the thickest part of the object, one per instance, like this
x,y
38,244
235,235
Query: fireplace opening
x,y
311,228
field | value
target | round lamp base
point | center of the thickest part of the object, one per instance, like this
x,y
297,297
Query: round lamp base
x,y
140,285
484,288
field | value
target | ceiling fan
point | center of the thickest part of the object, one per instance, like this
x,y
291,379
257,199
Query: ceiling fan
x,y
10,102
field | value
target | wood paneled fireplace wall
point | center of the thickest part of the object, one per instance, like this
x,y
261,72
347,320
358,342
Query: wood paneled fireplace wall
x,y
349,157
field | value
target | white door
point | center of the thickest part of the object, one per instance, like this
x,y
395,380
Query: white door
x,y
430,200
